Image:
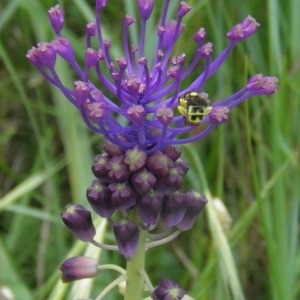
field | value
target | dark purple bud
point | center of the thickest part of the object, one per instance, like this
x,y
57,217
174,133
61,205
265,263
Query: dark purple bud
x,y
164,115
172,152
99,197
57,18
159,164
183,9
263,85
244,30
149,207
112,149
182,166
173,209
46,54
168,290
146,8
143,181
135,159
80,267
123,196
169,184
194,203
64,48
79,221
127,235
174,178
117,169
99,166
219,115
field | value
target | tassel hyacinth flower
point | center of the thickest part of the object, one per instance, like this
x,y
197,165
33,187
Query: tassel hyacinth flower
x,y
140,107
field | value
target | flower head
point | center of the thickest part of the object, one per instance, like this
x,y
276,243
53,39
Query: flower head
x,y
144,91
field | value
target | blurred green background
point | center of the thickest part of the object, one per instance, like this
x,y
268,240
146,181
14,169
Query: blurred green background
x,y
251,163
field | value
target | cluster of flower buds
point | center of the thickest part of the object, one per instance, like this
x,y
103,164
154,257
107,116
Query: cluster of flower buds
x,y
150,185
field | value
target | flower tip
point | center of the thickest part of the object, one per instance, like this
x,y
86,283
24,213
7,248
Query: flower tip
x,y
146,8
219,115
57,18
243,30
183,9
263,85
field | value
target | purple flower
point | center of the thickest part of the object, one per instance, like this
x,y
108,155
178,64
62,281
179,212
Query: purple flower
x,y
168,290
79,267
127,235
57,20
148,90
79,221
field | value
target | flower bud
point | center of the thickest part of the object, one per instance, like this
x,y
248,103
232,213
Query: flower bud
x,y
143,181
56,16
263,85
244,30
173,209
164,114
135,159
127,235
159,164
79,221
168,290
64,48
99,166
146,8
194,203
46,54
172,152
117,169
183,9
99,197
79,267
219,115
123,196
149,207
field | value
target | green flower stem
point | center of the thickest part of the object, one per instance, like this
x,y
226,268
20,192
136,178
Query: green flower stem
x,y
135,268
